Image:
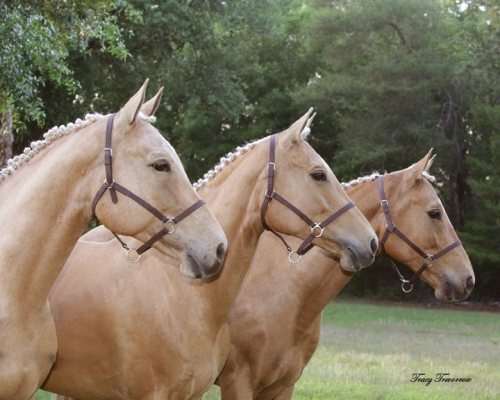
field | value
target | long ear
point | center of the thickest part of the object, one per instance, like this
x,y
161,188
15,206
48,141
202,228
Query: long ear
x,y
128,114
429,163
414,173
149,108
293,133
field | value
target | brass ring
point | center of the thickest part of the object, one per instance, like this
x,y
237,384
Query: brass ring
x,y
169,225
403,286
133,256
294,257
315,232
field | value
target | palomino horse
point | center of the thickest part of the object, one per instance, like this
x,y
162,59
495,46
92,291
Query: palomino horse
x,y
275,322
151,334
48,195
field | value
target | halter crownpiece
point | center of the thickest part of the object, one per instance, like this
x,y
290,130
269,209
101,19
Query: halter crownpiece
x,y
317,228
168,223
428,259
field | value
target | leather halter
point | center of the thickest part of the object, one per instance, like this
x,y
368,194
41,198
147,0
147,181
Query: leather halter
x,y
317,228
428,259
168,223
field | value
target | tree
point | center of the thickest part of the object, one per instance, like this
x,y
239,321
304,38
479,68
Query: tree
x,y
395,78
37,38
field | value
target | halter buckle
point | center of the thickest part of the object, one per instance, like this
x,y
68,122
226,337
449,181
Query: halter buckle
x,y
294,257
133,256
109,185
269,196
109,150
385,205
317,230
404,288
169,225
271,164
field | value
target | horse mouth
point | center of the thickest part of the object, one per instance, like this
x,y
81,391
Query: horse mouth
x,y
195,270
449,292
353,261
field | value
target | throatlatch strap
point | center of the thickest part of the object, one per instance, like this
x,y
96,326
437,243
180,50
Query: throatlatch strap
x,y
108,158
113,187
271,194
391,228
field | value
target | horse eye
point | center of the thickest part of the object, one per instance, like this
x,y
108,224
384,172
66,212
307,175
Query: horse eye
x,y
434,214
162,167
319,176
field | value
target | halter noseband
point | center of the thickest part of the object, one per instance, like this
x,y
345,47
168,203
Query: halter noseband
x,y
317,228
168,223
429,259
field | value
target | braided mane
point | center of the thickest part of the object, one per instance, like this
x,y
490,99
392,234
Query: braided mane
x,y
224,162
375,175
49,137
362,179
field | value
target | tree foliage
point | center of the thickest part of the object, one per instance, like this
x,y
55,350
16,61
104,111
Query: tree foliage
x,y
37,40
389,79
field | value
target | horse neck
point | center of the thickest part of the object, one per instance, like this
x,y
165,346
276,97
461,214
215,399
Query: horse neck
x,y
45,206
325,278
233,198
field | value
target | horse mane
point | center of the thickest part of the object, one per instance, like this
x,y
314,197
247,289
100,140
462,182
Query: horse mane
x,y
231,156
224,162
49,137
362,179
375,175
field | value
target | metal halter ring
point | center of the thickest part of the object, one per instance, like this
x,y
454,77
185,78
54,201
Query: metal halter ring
x,y
403,286
169,225
133,256
294,257
317,230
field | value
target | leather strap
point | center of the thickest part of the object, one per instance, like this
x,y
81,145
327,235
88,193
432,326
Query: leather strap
x,y
113,187
307,243
391,228
316,228
108,158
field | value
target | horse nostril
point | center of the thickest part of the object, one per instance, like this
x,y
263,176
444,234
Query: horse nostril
x,y
469,284
374,246
220,252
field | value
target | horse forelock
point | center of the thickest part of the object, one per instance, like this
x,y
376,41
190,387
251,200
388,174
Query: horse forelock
x,y
429,177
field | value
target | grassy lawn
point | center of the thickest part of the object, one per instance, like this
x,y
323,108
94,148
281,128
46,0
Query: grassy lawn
x,y
371,351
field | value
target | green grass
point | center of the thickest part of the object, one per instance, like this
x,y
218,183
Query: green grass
x,y
41,395
370,352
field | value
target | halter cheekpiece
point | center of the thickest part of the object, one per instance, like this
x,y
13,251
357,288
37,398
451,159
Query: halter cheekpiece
x,y
428,259
168,223
317,228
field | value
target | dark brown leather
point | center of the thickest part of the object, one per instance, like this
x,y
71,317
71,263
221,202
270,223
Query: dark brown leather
x,y
114,187
391,228
272,195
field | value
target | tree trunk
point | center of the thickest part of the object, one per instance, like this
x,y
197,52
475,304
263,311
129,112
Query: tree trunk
x,y
6,136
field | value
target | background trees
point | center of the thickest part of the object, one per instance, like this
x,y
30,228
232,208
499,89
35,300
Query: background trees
x,y
389,78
